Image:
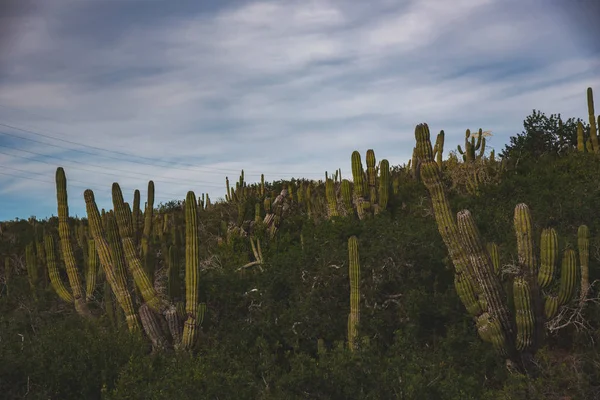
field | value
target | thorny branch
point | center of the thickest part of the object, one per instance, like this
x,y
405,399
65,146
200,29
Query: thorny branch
x,y
572,315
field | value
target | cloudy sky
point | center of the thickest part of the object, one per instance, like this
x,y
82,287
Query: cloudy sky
x,y
187,94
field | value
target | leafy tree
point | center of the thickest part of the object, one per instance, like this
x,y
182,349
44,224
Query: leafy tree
x,y
543,135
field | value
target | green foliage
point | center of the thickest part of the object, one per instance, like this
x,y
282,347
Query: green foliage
x,y
543,135
281,331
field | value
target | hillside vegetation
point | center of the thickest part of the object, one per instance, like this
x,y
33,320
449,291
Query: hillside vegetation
x,y
460,275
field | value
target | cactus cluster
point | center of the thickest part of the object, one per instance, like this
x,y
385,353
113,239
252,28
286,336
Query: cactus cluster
x,y
518,332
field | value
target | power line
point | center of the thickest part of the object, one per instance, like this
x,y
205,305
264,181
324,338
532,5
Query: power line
x,y
68,180
180,181
280,173
75,186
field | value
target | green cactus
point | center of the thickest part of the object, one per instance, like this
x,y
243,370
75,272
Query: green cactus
x,y
477,282
371,176
384,185
92,270
109,306
358,176
354,274
438,148
141,276
580,137
51,260
192,272
592,118
147,258
174,286
347,197
116,278
64,232
472,145
331,198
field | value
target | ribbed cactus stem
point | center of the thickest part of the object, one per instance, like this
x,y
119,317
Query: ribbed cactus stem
x,y
431,176
488,282
492,249
174,287
384,185
147,260
140,275
548,257
358,176
331,198
568,277
592,118
67,248
438,149
116,279
109,304
92,270
580,137
371,176
55,281
529,269
354,274
137,216
192,272
347,197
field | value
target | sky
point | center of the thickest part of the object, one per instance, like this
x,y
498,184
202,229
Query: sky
x,y
186,92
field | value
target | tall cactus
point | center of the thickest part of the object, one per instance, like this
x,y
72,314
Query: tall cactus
x,y
64,232
371,176
384,185
192,272
331,198
147,259
358,176
592,119
141,275
115,278
354,274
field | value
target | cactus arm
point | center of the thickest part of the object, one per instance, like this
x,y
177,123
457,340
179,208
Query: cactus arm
x,y
55,281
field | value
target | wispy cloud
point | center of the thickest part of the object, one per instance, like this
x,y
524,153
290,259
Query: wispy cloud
x,y
284,88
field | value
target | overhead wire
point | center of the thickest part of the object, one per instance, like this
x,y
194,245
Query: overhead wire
x,y
154,160
163,194
171,182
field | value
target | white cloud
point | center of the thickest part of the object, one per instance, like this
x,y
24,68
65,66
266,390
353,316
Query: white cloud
x,y
281,88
